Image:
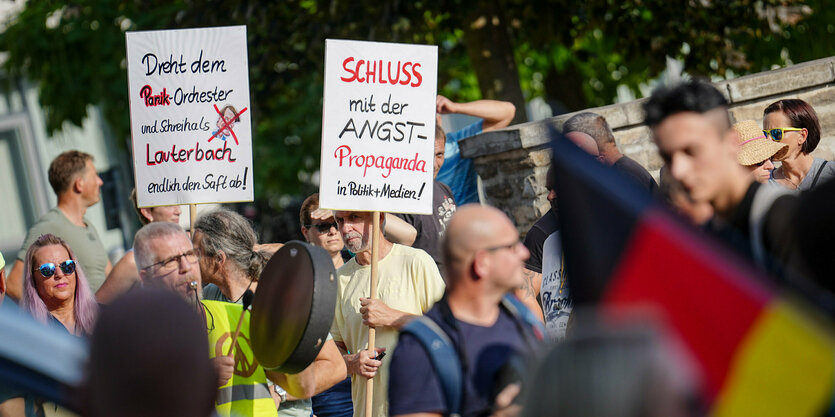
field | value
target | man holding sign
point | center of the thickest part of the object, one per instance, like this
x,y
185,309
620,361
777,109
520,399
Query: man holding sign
x,y
377,158
409,285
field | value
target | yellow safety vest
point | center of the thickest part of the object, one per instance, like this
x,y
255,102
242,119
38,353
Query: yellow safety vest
x,y
246,393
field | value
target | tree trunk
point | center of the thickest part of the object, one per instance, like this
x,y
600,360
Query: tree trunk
x,y
564,90
489,47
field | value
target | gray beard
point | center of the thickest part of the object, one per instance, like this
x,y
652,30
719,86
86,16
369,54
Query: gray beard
x,y
356,248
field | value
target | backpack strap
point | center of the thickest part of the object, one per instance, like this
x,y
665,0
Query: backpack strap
x,y
518,309
763,200
444,359
818,174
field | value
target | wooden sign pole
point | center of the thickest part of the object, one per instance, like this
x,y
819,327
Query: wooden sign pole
x,y
375,245
192,217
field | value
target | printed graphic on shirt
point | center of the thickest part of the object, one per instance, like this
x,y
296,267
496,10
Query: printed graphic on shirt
x,y
554,291
445,211
244,366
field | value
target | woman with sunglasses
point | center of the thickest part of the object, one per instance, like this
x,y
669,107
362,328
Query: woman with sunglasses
x,y
322,232
794,122
756,152
55,290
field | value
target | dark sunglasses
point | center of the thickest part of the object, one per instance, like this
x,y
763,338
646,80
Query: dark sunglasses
x,y
777,134
323,227
48,269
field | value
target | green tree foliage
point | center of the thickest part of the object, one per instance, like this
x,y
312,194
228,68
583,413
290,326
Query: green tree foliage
x,y
76,55
572,53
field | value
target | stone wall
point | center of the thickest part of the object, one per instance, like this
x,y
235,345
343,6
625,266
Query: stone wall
x,y
512,162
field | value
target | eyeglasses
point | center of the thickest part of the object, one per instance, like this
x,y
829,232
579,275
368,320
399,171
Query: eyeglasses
x,y
777,134
510,246
323,227
170,264
48,269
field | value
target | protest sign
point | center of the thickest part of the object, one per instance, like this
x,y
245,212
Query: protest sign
x,y
378,127
189,110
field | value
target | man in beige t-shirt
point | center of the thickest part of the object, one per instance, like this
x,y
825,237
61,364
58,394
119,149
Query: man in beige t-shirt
x,y
408,284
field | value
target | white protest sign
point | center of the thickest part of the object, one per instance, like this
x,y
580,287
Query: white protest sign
x,y
378,127
190,115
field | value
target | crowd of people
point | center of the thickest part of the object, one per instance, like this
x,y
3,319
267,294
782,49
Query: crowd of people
x,y
469,319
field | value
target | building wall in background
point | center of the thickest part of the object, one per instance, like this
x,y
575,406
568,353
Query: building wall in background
x,y
26,151
512,162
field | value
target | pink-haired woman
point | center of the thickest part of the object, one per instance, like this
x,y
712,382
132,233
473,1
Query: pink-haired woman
x,y
55,290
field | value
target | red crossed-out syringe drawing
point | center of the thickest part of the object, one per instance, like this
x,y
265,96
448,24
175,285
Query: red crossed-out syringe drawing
x,y
225,124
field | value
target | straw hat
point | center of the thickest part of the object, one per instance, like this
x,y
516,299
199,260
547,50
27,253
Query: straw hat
x,y
754,147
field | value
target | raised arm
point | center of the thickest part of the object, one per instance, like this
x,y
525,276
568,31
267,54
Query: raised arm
x,y
496,114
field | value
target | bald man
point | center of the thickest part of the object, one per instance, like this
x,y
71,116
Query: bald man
x,y
598,128
544,290
584,142
483,258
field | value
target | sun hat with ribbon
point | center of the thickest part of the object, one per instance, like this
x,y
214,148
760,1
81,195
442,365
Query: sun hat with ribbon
x,y
754,147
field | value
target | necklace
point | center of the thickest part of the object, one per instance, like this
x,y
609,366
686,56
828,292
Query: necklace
x,y
247,289
786,177
205,310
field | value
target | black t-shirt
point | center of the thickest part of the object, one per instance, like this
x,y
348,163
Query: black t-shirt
x,y
785,260
535,239
414,386
778,237
635,171
430,227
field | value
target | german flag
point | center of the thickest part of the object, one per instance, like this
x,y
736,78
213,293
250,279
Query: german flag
x,y
757,353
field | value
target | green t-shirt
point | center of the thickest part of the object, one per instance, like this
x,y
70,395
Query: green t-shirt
x,y
84,242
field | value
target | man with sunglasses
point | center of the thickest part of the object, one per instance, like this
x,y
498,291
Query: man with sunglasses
x,y
166,258
486,328
75,182
691,127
